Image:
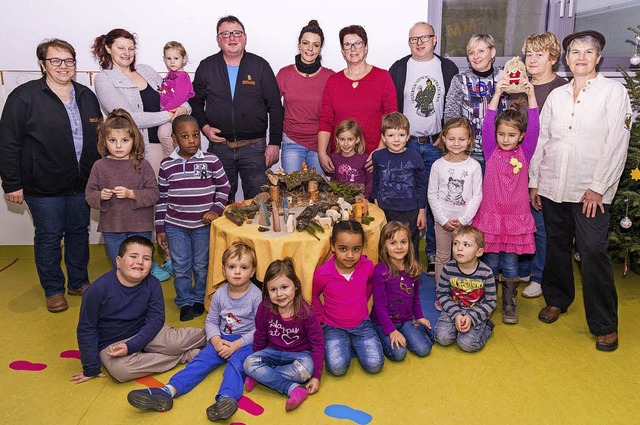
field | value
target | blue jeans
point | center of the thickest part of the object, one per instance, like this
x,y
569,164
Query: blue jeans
x,y
419,341
505,261
189,249
470,341
429,154
206,361
54,218
293,155
112,241
533,264
248,162
282,371
341,345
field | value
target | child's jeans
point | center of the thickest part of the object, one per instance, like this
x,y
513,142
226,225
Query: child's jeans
x,y
341,345
419,341
189,250
282,371
505,261
472,340
206,361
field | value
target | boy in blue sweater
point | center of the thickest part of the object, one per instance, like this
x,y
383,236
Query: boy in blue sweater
x,y
121,324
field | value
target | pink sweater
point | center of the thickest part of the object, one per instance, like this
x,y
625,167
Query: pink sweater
x,y
345,301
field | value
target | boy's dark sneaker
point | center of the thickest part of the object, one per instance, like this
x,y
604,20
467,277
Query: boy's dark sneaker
x,y
431,265
186,313
197,309
150,399
222,409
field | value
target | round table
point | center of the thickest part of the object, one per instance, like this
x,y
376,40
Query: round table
x,y
306,251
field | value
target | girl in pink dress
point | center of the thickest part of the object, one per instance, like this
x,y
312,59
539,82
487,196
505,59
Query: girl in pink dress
x,y
504,214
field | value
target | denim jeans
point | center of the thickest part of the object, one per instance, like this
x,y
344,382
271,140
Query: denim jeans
x,y
55,218
533,264
206,361
112,241
419,341
189,249
505,261
472,340
248,162
341,345
293,155
282,371
429,154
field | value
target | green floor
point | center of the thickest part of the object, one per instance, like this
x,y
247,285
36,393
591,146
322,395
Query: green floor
x,y
530,373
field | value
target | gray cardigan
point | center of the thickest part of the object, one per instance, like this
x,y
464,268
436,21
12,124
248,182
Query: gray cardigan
x,y
115,90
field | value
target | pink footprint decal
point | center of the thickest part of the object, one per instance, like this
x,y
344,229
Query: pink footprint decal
x,y
150,382
237,423
70,354
250,406
27,365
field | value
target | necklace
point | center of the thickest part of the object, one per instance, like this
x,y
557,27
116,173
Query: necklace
x,y
513,161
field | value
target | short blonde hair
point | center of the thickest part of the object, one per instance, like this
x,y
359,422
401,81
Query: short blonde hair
x,y
239,249
487,38
543,42
474,232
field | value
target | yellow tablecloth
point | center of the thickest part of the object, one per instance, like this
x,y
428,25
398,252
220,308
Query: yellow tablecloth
x,y
306,251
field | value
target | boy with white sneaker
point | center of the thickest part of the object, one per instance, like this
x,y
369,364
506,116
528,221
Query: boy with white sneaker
x,y
121,324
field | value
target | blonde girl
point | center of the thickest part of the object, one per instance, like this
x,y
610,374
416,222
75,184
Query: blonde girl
x,y
288,344
397,313
349,158
455,187
122,185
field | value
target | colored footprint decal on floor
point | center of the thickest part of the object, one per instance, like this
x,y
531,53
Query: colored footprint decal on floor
x,y
27,366
250,406
150,382
340,411
70,354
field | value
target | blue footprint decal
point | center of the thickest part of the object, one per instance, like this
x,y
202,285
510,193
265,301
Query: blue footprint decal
x,y
340,411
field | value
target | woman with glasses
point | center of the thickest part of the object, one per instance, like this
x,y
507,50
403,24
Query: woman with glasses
x,y
130,86
48,144
301,85
361,92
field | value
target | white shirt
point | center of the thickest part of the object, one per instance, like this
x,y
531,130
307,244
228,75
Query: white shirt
x,y
424,96
583,144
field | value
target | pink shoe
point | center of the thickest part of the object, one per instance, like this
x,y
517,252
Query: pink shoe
x,y
437,305
250,384
298,395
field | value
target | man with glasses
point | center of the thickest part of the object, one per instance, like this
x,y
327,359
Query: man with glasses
x,y
237,98
422,80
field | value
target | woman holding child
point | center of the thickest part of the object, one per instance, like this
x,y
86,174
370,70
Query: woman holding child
x,y
361,92
575,171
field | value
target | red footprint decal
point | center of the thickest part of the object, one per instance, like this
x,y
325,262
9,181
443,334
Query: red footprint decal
x,y
250,406
27,365
150,382
70,354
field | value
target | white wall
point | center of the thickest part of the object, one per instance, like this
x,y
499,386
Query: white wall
x,y
272,31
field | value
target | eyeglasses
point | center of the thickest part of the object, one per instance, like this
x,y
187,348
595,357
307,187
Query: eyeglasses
x,y
56,62
423,38
227,34
348,46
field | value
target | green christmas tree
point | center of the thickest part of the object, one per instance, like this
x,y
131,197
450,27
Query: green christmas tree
x,y
624,232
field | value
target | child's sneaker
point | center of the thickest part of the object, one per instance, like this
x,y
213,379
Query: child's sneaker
x,y
431,265
222,409
534,290
168,267
159,273
151,399
298,395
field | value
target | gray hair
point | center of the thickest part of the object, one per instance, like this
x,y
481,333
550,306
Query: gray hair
x,y
586,39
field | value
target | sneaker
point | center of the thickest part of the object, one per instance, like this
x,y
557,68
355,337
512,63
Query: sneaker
x,y
159,273
57,303
197,309
576,257
150,399
186,313
437,305
534,290
524,279
431,265
168,267
222,409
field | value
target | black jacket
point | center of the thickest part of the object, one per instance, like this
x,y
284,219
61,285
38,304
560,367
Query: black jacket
x,y
255,105
37,153
398,73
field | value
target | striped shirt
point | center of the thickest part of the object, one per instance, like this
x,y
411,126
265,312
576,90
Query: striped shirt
x,y
189,189
472,294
